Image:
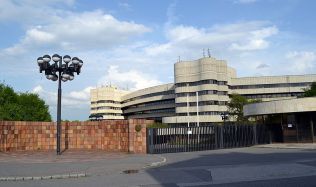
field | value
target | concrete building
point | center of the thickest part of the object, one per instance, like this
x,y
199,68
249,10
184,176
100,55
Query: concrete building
x,y
106,103
288,120
150,103
200,92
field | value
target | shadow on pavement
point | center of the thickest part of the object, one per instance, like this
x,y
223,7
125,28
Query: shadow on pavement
x,y
196,167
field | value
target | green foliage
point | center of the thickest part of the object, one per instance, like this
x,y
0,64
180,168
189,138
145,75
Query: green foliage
x,y
22,107
157,125
311,92
235,107
254,101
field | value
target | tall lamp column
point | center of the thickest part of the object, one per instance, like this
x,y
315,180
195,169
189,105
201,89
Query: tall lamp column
x,y
57,70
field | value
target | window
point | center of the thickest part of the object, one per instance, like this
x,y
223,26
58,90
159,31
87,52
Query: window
x,y
211,81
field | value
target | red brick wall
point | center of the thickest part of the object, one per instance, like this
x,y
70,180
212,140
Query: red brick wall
x,y
111,135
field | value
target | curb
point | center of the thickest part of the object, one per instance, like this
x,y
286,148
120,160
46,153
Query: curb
x,y
303,148
156,164
64,176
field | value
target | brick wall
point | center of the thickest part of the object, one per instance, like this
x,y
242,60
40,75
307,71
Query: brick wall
x,y
138,140
110,135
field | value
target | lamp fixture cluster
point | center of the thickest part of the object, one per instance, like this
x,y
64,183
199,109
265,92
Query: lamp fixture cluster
x,y
66,70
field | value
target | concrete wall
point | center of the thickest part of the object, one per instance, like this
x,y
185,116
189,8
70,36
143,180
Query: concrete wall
x,y
286,88
114,135
281,106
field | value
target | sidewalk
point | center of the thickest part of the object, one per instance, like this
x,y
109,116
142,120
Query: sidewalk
x,y
308,146
45,164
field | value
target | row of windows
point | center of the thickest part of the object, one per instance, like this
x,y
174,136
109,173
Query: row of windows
x,y
169,101
211,81
105,101
109,114
214,113
167,110
260,96
203,92
253,86
150,95
105,107
202,103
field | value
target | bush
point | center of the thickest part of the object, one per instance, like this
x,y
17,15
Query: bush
x,y
157,125
22,106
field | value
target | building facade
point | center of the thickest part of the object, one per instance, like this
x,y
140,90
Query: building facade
x,y
288,120
106,103
200,93
150,103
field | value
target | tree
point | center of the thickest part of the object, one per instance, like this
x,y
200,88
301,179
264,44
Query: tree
x,y
311,92
235,106
22,106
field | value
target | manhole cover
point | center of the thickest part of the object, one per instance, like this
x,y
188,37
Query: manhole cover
x,y
130,171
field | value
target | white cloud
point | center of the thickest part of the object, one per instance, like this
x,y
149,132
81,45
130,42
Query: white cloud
x,y
256,39
83,95
83,31
242,36
32,11
132,79
301,62
74,99
38,89
125,5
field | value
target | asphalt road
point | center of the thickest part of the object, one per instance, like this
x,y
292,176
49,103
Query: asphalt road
x,y
229,167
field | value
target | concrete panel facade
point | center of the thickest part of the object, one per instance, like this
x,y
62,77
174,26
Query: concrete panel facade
x,y
214,81
281,106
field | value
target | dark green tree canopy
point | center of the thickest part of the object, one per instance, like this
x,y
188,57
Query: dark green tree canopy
x,y
235,106
22,106
311,92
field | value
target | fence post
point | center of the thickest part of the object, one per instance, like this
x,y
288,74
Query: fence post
x,y
215,128
222,137
255,140
150,140
312,128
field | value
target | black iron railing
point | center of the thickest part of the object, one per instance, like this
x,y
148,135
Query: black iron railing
x,y
186,139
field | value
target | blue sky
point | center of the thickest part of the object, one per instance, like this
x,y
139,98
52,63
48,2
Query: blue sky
x,y
134,44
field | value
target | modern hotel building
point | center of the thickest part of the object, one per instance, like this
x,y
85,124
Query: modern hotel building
x,y
206,82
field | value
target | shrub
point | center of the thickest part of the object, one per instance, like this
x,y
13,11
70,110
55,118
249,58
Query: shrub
x,y
157,125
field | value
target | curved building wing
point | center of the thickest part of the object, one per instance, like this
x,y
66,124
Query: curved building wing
x,y
199,94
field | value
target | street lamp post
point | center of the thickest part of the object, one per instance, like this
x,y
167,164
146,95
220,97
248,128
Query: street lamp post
x,y
57,70
224,116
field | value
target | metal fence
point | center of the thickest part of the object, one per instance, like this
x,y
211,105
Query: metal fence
x,y
186,139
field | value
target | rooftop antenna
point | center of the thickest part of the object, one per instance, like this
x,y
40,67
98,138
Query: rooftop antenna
x,y
203,53
209,53
179,59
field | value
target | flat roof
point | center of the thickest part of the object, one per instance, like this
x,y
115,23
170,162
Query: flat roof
x,y
307,104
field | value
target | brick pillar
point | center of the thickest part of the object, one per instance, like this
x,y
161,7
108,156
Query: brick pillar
x,y
138,140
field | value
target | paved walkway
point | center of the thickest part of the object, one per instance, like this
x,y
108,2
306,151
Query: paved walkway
x,y
309,146
47,163
226,167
